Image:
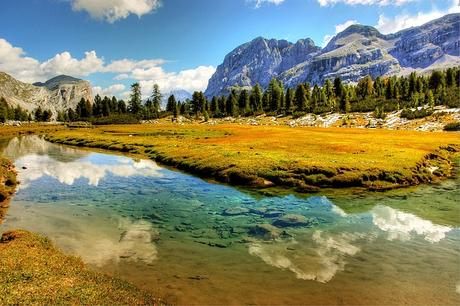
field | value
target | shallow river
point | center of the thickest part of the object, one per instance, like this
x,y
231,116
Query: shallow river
x,y
195,242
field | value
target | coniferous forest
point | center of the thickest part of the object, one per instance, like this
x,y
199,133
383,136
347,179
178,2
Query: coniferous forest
x,y
380,95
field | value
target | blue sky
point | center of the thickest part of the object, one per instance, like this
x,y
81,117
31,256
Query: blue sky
x,y
175,43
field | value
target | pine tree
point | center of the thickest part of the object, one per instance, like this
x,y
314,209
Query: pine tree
x,y
244,103
256,99
135,102
171,104
301,98
155,99
232,105
289,100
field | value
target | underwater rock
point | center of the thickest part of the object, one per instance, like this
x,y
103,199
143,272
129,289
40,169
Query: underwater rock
x,y
292,220
265,231
235,211
272,213
258,210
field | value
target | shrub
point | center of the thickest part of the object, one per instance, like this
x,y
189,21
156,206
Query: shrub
x,y
115,119
416,114
453,126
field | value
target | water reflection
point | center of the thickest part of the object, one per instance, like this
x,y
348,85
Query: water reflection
x,y
318,258
147,222
35,158
403,226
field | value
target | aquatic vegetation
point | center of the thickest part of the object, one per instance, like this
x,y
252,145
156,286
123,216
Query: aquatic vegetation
x,y
305,159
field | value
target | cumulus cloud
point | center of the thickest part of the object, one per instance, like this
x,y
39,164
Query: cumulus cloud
x,y
402,226
13,60
112,90
190,80
364,2
113,10
391,25
338,28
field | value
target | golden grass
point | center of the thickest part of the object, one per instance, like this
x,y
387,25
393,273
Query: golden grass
x,y
296,157
34,272
8,184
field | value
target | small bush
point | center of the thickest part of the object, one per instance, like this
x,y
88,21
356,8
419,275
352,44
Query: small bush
x,y
453,126
416,114
115,119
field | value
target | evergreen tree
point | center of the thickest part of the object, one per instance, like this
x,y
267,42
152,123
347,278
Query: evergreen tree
x,y
232,105
289,100
256,99
172,104
244,103
38,114
301,98
135,102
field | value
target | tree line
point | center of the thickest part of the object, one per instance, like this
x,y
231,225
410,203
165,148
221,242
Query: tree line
x,y
380,95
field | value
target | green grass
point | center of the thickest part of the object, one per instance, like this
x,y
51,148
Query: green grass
x,y
302,158
33,271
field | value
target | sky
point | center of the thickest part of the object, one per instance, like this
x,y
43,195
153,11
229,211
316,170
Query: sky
x,y
177,44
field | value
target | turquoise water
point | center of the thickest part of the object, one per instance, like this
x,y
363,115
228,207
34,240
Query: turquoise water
x,y
194,242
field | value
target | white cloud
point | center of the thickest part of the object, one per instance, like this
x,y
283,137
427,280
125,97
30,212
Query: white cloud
x,y
404,21
364,2
113,10
112,90
13,60
402,226
259,3
338,28
190,80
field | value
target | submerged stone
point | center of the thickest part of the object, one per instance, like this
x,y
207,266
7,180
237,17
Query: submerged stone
x,y
235,211
258,210
292,220
265,231
272,213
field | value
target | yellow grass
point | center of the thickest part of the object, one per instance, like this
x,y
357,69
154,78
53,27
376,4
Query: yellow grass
x,y
299,157
34,272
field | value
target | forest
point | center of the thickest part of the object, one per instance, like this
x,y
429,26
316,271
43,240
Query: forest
x,y
379,95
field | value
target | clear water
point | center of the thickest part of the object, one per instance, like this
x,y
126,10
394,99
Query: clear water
x,y
167,232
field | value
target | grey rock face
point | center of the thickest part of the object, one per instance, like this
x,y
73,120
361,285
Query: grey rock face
x,y
57,94
258,61
352,54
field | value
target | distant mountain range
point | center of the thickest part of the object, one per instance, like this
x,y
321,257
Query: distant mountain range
x,y
57,94
352,54
179,95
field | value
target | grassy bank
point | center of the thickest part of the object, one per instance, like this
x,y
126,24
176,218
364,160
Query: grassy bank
x,y
8,184
33,271
303,158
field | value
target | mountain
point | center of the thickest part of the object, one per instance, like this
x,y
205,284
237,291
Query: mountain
x,y
57,94
352,54
257,62
179,94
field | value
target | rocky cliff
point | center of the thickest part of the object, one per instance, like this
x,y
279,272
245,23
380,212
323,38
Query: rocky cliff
x,y
56,94
352,54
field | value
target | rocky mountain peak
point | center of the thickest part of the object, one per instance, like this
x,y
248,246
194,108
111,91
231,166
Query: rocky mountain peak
x,y
357,51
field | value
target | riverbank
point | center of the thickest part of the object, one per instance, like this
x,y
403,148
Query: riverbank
x,y
8,184
305,159
33,271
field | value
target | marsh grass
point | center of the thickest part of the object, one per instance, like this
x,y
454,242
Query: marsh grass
x,y
305,159
34,272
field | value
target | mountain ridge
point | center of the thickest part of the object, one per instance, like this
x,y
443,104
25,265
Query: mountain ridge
x,y
56,94
357,51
